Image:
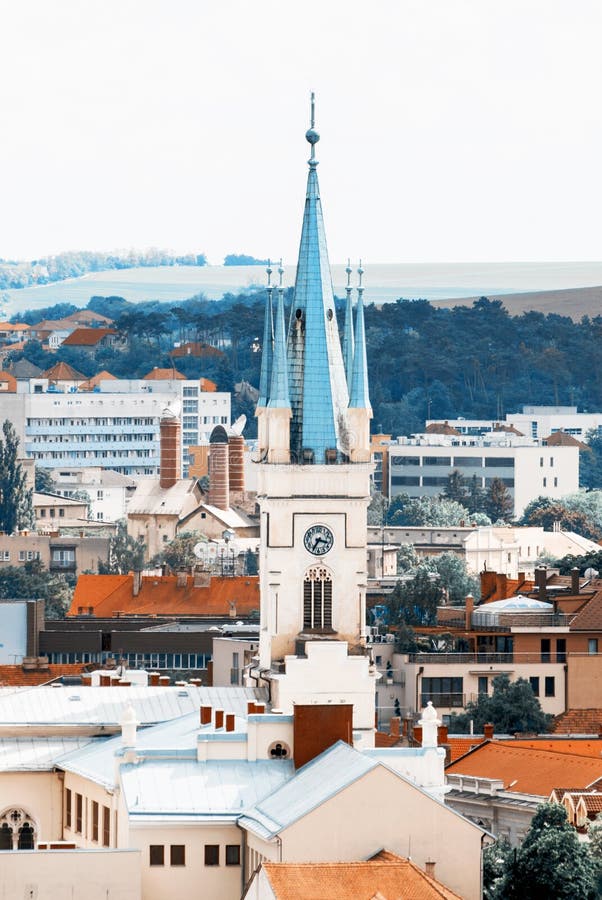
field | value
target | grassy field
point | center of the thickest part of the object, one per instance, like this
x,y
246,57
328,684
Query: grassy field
x,y
563,288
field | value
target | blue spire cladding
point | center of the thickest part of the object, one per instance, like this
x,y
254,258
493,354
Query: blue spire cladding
x,y
318,387
360,395
279,395
348,339
266,352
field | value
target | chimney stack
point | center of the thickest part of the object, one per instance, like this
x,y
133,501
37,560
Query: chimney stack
x,y
236,466
488,731
469,607
575,580
170,470
219,469
429,868
541,578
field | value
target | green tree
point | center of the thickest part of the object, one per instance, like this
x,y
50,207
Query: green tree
x,y
179,553
476,497
590,461
126,554
32,581
16,509
44,480
454,577
550,863
496,859
414,601
511,707
455,489
499,504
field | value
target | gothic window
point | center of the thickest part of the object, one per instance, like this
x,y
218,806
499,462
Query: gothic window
x,y
317,598
17,830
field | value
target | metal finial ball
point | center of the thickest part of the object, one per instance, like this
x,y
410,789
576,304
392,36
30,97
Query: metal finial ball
x,y
312,136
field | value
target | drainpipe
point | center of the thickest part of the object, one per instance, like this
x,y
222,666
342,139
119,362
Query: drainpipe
x,y
418,674
566,686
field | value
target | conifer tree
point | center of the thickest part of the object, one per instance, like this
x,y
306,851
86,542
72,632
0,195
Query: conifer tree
x,y
16,510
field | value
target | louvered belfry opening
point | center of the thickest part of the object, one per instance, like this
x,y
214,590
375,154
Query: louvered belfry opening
x,y
317,599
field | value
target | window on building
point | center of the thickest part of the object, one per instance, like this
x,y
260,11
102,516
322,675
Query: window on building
x,y
592,646
555,482
541,461
5,555
106,826
95,821
561,650
177,855
443,691
483,684
545,650
499,462
317,598
156,855
212,854
550,686
67,808
468,462
436,461
551,462
61,513
405,460
79,813
545,482
534,682
405,479
232,855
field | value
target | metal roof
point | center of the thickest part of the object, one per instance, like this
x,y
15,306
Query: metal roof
x,y
188,787
314,783
78,705
36,754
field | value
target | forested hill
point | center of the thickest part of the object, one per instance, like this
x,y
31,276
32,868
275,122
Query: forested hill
x,y
50,269
424,362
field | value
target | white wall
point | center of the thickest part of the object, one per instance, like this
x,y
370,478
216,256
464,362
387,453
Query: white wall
x,y
70,875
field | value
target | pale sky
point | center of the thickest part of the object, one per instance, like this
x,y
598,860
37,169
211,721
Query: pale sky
x,y
452,130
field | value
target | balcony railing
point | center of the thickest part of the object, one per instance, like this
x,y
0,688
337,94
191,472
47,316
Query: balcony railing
x,y
449,701
488,658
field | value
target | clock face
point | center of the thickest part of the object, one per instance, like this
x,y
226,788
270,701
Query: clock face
x,y
318,540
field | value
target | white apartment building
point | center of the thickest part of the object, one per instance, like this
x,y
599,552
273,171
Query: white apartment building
x,y
536,422
420,466
115,426
109,491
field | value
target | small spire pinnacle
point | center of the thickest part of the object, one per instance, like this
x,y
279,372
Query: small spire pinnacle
x,y
279,392
348,338
311,135
359,393
267,347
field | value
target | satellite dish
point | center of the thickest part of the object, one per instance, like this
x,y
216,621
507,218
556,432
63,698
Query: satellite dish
x,y
591,573
200,550
239,424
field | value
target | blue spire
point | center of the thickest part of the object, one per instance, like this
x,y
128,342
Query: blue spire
x,y
318,388
348,342
267,347
279,395
360,396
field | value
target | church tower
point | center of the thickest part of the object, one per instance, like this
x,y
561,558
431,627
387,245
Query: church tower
x,y
314,484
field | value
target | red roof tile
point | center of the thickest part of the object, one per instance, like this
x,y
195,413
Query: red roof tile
x,y
62,371
16,676
164,375
87,337
108,595
526,769
578,721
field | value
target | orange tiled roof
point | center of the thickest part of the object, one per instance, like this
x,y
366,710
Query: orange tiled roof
x,y
589,617
509,429
62,371
87,337
577,746
459,746
10,380
562,439
525,769
578,721
385,876
440,428
159,595
195,348
14,326
96,379
17,677
164,375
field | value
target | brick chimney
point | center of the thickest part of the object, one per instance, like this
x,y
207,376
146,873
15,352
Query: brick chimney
x,y
236,466
541,578
170,469
316,727
575,580
488,731
219,469
468,610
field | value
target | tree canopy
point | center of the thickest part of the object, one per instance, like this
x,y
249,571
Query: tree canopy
x,y
512,706
126,554
16,511
32,581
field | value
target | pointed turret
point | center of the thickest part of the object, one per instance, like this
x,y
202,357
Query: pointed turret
x,y
360,411
318,387
267,345
279,393
360,396
348,342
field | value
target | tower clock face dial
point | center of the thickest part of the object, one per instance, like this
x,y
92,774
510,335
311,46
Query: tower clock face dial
x,y
318,540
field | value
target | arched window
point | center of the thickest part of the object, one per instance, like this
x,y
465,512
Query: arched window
x,y
17,830
6,837
317,599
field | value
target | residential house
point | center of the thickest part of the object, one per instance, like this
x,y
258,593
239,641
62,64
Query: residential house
x,y
92,339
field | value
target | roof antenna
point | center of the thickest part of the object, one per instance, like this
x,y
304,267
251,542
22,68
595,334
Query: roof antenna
x,y
312,136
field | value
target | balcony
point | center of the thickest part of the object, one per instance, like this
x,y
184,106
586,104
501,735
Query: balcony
x,y
495,659
62,565
446,701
